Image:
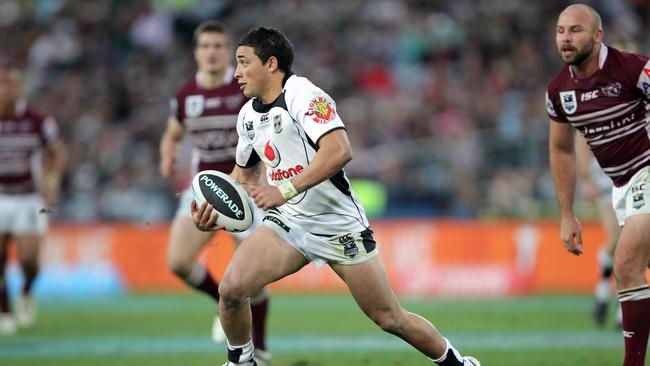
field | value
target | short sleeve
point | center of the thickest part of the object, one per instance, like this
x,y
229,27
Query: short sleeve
x,y
551,109
643,82
50,130
175,108
246,156
313,109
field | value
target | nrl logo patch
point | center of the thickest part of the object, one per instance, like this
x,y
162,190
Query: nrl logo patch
x,y
321,110
569,101
194,105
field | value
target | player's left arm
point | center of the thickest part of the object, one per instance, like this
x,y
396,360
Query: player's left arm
x,y
54,159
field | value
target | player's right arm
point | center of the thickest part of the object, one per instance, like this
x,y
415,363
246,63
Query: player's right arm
x,y
588,186
562,158
169,145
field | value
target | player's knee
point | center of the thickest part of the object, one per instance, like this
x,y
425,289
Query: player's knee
x,y
232,288
179,267
626,272
389,321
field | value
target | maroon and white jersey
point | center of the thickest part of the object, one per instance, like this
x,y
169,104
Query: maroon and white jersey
x,y
21,137
610,109
209,116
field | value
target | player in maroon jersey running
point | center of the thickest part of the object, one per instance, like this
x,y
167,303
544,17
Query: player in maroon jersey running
x,y
604,94
206,108
24,198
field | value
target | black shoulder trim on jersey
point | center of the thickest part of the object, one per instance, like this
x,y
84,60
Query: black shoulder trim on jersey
x,y
286,77
252,161
327,133
260,107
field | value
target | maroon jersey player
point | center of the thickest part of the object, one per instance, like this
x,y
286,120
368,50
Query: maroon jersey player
x,y
206,109
603,93
26,191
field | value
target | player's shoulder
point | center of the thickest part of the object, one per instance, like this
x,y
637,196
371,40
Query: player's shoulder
x,y
188,87
556,82
626,58
299,86
28,112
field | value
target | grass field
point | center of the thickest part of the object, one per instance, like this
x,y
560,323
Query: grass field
x,y
311,330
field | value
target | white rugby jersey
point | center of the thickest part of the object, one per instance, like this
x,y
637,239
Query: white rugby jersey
x,y
285,136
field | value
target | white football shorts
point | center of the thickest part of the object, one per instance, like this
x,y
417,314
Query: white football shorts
x,y
632,198
344,248
184,209
19,214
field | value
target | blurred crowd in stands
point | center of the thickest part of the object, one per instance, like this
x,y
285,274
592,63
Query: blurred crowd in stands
x,y
443,100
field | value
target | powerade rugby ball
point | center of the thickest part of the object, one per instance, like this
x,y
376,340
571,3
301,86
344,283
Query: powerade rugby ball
x,y
228,198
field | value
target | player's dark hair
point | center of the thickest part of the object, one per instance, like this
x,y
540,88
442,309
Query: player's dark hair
x,y
211,26
267,42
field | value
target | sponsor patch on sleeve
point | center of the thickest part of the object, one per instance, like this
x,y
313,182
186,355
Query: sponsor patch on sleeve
x,y
549,107
321,110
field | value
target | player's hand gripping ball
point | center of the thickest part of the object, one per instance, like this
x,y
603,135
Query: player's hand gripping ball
x,y
228,198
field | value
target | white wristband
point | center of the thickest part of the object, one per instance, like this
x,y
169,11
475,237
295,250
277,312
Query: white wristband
x,y
287,189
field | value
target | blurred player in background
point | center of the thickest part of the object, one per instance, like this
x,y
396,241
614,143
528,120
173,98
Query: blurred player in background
x,y
604,94
596,187
206,108
293,127
31,164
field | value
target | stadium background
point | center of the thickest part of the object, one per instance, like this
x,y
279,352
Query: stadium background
x,y
444,107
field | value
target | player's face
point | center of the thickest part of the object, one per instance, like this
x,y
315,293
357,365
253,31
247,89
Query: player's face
x,y
212,52
9,87
574,36
251,74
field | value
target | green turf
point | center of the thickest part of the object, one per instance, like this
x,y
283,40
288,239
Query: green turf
x,y
310,330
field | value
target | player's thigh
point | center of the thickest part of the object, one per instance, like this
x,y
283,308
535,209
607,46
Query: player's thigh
x,y
633,249
610,224
369,285
185,241
260,259
28,247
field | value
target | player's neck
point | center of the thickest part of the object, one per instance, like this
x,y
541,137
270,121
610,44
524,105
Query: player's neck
x,y
211,80
272,92
589,66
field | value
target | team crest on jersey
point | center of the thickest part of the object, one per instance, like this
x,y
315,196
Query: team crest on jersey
x,y
277,123
321,110
250,132
612,90
272,154
194,105
569,101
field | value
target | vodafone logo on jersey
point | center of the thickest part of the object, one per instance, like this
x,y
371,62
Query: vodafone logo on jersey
x,y
282,174
272,154
321,110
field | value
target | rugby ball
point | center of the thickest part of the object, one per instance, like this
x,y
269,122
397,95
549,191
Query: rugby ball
x,y
228,198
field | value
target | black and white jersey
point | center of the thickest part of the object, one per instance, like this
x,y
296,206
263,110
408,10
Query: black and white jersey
x,y
285,136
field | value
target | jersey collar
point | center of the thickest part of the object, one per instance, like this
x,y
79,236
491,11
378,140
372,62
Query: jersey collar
x,y
602,57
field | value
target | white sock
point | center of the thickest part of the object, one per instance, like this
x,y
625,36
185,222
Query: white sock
x,y
196,276
454,353
241,355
